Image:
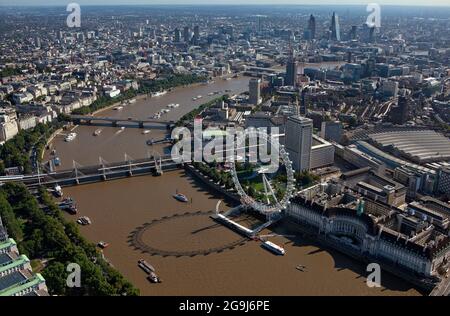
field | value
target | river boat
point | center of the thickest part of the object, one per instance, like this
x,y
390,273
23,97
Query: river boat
x,y
274,248
181,197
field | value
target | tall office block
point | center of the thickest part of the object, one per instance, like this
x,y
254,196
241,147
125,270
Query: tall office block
x,y
312,27
196,34
37,42
400,113
303,105
254,91
177,35
299,141
291,70
335,28
187,34
353,32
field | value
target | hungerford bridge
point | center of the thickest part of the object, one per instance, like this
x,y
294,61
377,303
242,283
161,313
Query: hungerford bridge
x,y
104,171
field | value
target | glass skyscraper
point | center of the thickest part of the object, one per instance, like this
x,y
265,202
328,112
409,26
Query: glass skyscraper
x,y
335,28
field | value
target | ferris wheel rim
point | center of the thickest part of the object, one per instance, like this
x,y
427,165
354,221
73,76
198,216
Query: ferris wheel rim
x,y
282,204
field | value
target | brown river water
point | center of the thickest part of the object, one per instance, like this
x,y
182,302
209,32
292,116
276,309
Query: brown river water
x,y
192,254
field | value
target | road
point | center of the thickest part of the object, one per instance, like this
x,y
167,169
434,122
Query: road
x,y
443,289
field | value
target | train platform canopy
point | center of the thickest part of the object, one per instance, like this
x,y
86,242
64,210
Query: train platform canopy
x,y
421,147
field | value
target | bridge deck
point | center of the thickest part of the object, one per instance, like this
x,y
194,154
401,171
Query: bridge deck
x,y
115,119
95,173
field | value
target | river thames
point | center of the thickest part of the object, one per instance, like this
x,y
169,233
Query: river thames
x,y
191,253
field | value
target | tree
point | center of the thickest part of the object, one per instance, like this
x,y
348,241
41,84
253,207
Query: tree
x,y
9,219
305,178
2,167
54,277
251,191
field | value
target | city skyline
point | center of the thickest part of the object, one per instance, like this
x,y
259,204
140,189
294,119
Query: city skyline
x,y
434,3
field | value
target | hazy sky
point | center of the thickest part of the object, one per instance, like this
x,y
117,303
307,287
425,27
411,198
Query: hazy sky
x,y
233,2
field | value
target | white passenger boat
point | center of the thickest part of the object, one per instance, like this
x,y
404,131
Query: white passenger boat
x,y
58,190
158,94
84,220
181,197
70,137
103,244
120,130
274,248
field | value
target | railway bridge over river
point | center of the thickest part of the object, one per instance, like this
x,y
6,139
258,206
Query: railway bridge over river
x,y
104,171
114,121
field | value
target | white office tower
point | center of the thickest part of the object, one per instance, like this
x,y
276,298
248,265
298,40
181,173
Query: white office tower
x,y
299,141
254,91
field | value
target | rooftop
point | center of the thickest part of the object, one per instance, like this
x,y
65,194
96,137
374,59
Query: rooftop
x,y
419,146
24,286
